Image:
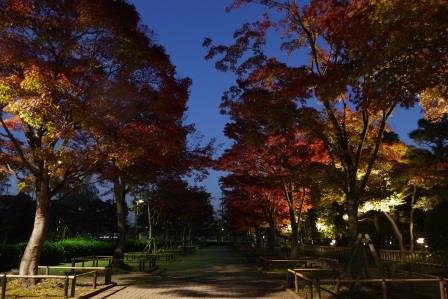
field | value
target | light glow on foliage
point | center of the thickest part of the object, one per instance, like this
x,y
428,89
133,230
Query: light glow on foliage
x,y
383,205
434,102
426,203
421,241
325,228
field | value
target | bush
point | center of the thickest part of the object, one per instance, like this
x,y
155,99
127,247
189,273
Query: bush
x,y
52,254
84,247
63,251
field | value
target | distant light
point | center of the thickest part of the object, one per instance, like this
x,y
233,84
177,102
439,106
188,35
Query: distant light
x,y
140,201
333,242
390,242
59,162
421,241
345,217
223,230
426,246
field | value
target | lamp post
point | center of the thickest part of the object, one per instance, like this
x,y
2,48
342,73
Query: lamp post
x,y
138,203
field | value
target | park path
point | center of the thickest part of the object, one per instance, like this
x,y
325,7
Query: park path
x,y
213,272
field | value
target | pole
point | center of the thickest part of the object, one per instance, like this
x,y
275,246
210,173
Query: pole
x,y
4,286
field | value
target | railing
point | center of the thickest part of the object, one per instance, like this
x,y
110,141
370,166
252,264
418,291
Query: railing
x,y
173,251
333,251
268,263
407,257
188,249
141,259
416,257
69,280
94,259
314,285
106,270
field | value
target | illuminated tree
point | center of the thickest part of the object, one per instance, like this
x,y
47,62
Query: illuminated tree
x,y
150,138
357,62
271,147
54,55
251,204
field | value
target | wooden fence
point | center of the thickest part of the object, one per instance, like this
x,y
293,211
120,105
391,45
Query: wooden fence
x,y
94,260
314,285
407,257
416,257
69,280
341,253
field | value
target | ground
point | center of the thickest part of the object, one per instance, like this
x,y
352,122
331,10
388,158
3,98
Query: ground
x,y
213,272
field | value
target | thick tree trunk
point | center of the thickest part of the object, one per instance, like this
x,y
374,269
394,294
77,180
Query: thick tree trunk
x,y
396,232
33,250
352,211
272,233
299,215
411,219
290,197
120,195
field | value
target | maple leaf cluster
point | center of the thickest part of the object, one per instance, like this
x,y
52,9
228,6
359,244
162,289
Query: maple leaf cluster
x,y
85,92
349,65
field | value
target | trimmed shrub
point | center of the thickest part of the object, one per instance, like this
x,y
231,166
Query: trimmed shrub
x,y
63,251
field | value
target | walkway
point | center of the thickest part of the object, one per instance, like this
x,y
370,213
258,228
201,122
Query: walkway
x,y
209,273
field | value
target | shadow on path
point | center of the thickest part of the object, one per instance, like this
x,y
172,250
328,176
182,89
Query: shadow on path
x,y
213,272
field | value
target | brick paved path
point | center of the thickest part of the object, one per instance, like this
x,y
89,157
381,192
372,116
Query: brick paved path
x,y
208,273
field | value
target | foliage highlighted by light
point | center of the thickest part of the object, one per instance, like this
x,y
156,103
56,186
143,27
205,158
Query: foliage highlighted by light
x,y
421,241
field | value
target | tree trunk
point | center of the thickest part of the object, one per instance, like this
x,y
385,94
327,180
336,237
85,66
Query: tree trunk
x,y
352,211
189,235
378,238
183,236
290,197
411,219
396,232
33,250
120,201
299,215
272,232
150,237
257,238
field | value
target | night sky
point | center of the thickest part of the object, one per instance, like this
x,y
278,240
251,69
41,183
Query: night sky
x,y
181,26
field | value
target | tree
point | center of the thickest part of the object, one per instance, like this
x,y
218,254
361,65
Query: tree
x,y
54,56
433,136
278,156
352,66
82,214
175,208
251,205
150,138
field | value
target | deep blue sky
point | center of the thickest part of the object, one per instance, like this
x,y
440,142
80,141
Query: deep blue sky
x,y
181,26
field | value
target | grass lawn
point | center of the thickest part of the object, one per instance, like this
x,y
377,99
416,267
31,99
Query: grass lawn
x,y
47,288
204,259
54,288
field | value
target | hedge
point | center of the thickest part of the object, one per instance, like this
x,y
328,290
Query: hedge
x,y
63,251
